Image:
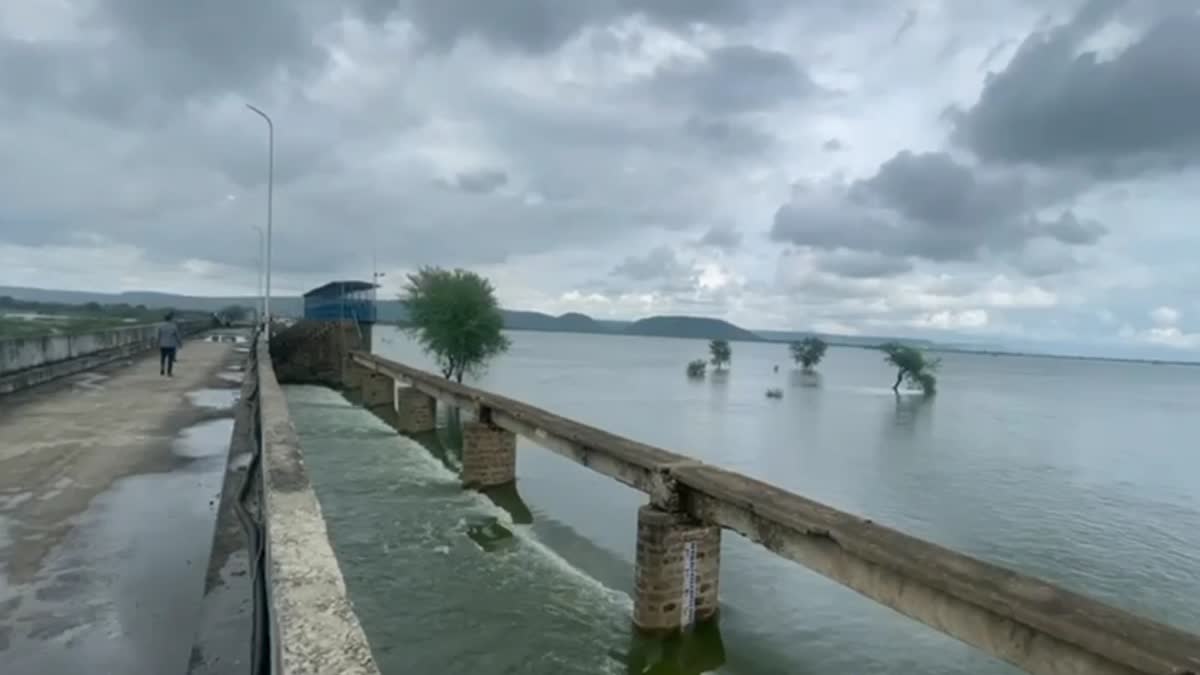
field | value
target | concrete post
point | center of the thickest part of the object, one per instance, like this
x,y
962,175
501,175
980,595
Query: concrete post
x,y
678,565
416,411
489,455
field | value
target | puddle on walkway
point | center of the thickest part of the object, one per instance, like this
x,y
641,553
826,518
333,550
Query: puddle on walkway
x,y
207,439
122,592
234,376
215,399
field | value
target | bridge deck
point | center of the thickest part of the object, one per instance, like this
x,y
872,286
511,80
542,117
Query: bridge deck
x,y
105,514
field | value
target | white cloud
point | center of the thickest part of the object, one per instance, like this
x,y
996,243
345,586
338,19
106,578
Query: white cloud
x,y
953,320
1164,316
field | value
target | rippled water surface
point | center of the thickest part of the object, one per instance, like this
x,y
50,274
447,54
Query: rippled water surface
x,y
1082,472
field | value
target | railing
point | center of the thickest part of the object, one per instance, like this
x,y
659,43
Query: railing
x,y
1028,622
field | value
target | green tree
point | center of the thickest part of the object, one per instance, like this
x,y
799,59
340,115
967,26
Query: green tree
x,y
808,352
696,368
455,317
911,365
720,353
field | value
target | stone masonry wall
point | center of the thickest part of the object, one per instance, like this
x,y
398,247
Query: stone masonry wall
x,y
376,390
489,455
415,411
669,546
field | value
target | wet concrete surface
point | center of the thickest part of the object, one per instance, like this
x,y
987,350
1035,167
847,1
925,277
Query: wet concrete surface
x,y
223,641
215,399
109,487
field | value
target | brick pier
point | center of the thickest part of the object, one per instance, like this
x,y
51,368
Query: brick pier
x,y
678,565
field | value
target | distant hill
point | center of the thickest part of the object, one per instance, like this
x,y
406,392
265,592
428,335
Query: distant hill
x,y
280,305
691,327
571,322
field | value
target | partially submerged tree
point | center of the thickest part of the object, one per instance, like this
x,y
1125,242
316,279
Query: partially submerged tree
x,y
697,368
911,365
720,353
808,352
455,317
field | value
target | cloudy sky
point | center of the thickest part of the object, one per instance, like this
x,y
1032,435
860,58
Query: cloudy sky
x,y
1014,172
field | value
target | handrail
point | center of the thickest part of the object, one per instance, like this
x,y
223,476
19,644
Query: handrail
x,y
1026,621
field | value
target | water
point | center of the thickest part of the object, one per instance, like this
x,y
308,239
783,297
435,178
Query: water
x,y
1080,472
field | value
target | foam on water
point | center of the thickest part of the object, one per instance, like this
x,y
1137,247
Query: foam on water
x,y
423,520
431,471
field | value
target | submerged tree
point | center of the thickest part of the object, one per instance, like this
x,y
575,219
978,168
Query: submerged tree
x,y
911,365
808,352
455,317
697,368
721,354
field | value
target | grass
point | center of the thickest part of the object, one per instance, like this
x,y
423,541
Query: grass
x,y
21,327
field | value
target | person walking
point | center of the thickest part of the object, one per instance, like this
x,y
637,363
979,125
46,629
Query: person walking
x,y
169,343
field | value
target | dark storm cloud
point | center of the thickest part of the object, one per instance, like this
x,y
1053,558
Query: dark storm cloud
x,y
728,137
857,265
1133,112
722,237
659,263
542,25
480,181
145,58
930,206
216,43
733,79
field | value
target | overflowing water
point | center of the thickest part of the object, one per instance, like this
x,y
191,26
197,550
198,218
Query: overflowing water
x,y
1081,472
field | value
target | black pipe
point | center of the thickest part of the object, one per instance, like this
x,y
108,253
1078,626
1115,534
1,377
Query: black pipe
x,y
260,647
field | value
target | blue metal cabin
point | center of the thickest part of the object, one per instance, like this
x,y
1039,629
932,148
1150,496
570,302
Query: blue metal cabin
x,y
341,301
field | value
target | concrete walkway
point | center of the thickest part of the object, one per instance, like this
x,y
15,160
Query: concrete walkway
x,y
108,488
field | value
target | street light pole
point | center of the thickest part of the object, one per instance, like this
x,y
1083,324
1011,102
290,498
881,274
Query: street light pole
x,y
258,274
270,195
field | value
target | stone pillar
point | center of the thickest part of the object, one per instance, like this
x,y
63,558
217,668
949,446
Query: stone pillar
x,y
489,455
416,411
678,565
377,390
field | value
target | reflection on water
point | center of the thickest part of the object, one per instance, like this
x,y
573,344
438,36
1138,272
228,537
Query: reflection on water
x,y
805,378
692,652
911,411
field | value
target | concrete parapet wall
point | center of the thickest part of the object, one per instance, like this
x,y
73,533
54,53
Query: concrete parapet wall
x,y
313,627
26,362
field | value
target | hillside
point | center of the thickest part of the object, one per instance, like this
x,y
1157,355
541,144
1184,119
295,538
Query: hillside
x,y
572,322
691,327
